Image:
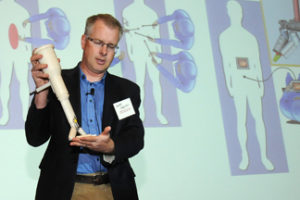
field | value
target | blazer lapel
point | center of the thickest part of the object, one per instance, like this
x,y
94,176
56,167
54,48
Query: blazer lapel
x,y
110,97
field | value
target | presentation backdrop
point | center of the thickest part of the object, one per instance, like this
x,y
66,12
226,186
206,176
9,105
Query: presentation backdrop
x,y
220,89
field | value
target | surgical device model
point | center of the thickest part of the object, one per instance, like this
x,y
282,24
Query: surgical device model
x,y
289,40
58,86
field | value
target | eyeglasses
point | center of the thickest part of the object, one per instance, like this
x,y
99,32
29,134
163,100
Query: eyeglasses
x,y
100,43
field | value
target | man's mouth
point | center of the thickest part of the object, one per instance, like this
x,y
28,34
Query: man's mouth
x,y
100,61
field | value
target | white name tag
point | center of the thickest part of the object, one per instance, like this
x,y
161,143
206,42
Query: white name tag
x,y
124,108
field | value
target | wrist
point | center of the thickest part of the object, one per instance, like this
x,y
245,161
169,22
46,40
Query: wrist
x,y
111,149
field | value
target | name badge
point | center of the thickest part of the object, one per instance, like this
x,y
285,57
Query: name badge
x,y
124,108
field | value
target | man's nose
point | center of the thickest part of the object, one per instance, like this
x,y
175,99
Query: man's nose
x,y
103,49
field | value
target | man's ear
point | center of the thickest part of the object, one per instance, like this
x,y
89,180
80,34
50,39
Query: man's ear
x,y
83,41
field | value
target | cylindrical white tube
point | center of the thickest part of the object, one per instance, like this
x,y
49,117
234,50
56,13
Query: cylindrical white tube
x,y
66,105
50,58
58,86
53,69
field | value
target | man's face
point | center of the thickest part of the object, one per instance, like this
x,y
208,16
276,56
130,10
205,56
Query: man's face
x,y
97,58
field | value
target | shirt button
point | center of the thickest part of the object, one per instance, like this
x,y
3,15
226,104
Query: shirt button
x,y
91,120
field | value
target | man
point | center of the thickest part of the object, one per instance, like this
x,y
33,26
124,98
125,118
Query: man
x,y
88,167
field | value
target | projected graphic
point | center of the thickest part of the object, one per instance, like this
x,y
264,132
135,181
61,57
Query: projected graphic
x,y
185,70
185,67
149,61
183,29
14,63
250,115
57,25
236,41
290,100
145,55
288,41
283,27
137,49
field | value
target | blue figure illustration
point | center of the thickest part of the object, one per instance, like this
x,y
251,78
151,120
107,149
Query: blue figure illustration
x,y
290,100
117,59
185,70
57,25
183,28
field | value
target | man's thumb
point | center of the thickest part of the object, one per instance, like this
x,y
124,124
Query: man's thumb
x,y
106,130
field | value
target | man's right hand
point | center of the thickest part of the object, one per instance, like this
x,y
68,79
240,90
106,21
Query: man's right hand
x,y
40,78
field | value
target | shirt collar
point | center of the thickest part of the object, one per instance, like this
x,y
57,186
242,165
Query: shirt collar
x,y
84,79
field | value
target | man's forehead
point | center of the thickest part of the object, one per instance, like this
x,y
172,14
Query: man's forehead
x,y
99,25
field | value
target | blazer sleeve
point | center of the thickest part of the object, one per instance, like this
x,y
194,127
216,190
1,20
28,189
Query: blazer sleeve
x,y
37,125
128,133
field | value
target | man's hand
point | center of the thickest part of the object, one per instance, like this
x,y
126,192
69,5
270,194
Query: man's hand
x,y
101,143
40,78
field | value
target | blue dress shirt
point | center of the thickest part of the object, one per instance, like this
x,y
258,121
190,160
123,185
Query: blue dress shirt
x,y
92,99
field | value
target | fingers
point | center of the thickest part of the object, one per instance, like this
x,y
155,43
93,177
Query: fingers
x,y
84,141
76,144
37,71
39,77
80,144
100,143
97,143
35,57
35,61
106,130
85,138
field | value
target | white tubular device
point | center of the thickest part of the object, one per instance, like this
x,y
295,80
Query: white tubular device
x,y
58,86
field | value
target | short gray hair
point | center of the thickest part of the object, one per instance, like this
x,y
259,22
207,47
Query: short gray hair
x,y
108,20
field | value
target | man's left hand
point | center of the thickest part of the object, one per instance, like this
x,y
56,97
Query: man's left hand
x,y
101,143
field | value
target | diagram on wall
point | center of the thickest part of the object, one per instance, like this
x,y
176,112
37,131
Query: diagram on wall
x,y
14,65
282,21
250,114
23,33
290,99
149,61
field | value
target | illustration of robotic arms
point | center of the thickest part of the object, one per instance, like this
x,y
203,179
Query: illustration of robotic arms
x,y
289,40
